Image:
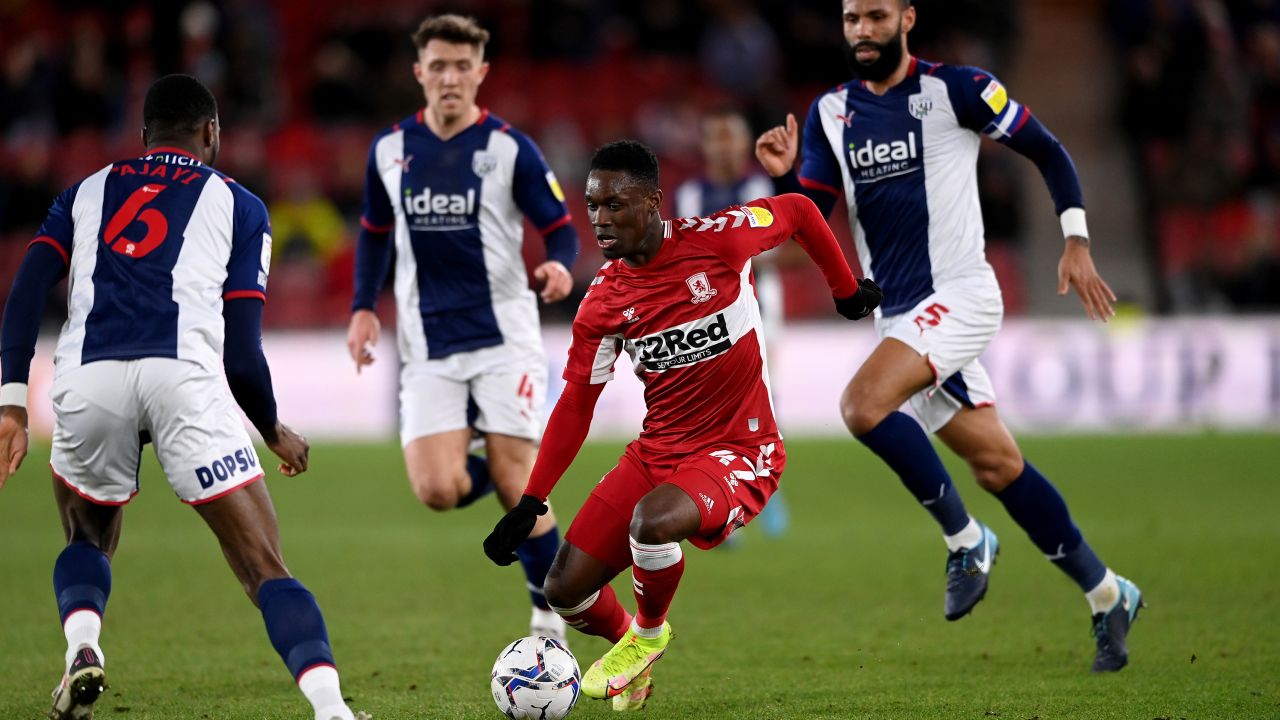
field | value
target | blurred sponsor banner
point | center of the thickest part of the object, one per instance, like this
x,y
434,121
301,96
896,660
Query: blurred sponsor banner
x,y
1050,376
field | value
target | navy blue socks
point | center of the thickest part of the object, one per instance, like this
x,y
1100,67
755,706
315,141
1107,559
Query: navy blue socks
x,y
902,443
481,483
294,625
1035,504
81,579
536,555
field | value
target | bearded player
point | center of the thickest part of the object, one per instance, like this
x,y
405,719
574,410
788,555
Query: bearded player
x,y
676,295
900,142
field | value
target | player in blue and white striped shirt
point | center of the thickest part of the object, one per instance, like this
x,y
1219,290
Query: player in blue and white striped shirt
x,y
900,143
167,261
446,194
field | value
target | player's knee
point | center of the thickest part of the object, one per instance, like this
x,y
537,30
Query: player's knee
x,y
438,499
861,414
561,594
435,491
994,471
656,521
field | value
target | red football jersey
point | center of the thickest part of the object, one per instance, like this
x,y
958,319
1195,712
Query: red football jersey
x,y
691,324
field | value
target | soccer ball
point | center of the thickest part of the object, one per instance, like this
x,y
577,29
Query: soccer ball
x,y
535,677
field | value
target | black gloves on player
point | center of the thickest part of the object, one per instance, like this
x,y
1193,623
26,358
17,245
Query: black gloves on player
x,y
863,300
513,529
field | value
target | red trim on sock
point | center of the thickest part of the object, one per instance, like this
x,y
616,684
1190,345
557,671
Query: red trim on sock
x,y
309,668
77,611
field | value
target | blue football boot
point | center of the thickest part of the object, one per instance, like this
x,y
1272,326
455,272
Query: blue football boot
x,y
967,572
1111,628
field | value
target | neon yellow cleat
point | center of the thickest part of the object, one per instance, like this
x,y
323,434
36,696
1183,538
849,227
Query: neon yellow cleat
x,y
636,694
627,660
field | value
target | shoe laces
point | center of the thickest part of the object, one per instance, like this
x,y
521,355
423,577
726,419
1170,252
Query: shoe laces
x,y
1101,630
629,654
958,564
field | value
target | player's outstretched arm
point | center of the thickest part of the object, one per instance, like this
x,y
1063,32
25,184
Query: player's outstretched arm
x,y
566,431
1076,270
855,299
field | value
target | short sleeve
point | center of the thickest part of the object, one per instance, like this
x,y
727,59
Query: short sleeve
x,y
981,102
58,228
819,169
250,261
592,352
378,215
534,186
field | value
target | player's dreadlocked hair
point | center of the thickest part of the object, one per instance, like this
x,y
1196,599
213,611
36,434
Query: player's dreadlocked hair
x,y
458,29
175,107
631,157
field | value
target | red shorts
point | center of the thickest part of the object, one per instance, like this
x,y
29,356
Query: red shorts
x,y
729,483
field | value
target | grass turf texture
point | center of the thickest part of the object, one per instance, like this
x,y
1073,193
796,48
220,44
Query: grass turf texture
x,y
840,618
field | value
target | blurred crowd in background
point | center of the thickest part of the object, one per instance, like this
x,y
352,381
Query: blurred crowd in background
x,y
302,88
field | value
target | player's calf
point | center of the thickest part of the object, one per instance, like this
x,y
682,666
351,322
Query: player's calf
x,y
82,585
297,632
599,614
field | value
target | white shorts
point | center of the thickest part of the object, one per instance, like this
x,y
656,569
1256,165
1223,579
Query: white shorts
x,y
102,408
951,328
497,389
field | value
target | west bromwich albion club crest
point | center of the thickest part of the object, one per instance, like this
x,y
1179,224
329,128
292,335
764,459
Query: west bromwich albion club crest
x,y
700,287
919,105
483,162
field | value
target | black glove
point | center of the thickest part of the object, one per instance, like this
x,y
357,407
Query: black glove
x,y
513,529
863,300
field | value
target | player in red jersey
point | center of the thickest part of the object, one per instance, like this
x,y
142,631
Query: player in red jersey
x,y
678,296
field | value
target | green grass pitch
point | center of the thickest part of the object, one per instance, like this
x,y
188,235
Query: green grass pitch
x,y
840,618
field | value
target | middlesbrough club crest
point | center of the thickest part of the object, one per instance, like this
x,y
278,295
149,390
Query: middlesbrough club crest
x,y
700,287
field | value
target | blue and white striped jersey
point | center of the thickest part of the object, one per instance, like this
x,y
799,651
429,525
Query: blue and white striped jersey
x,y
906,162
456,207
154,245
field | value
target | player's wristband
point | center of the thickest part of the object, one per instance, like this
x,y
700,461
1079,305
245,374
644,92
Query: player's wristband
x,y
14,393
1073,223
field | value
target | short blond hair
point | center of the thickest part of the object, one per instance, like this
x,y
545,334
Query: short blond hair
x,y
452,28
